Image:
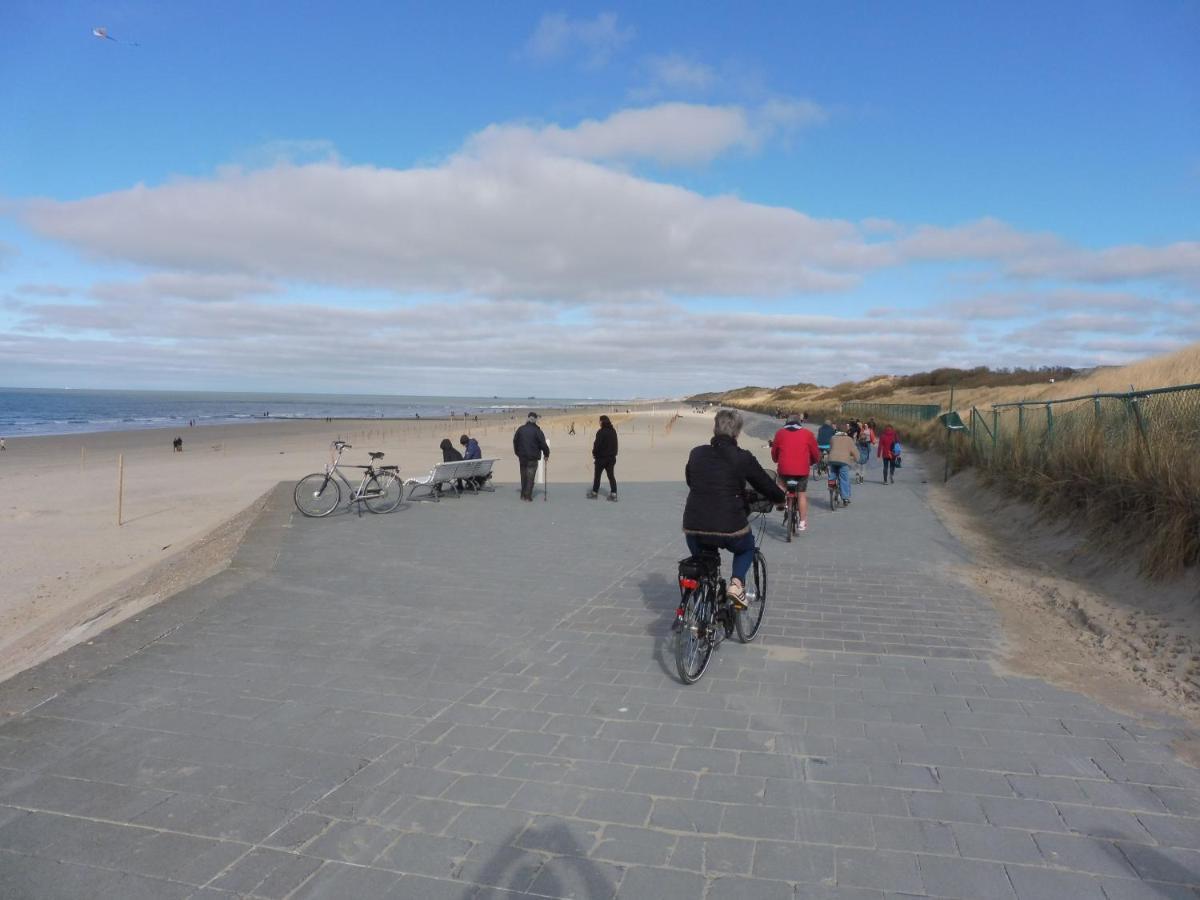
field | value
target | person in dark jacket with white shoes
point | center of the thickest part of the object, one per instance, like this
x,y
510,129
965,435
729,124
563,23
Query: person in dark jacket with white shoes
x,y
604,455
717,511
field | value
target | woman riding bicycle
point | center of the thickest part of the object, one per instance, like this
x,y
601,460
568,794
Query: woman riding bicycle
x,y
716,513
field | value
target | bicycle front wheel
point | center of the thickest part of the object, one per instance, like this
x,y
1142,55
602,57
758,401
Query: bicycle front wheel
x,y
693,640
382,493
833,495
749,619
317,495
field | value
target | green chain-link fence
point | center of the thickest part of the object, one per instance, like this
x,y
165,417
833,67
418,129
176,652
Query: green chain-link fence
x,y
913,412
1161,419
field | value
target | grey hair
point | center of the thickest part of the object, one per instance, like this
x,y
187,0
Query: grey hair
x,y
728,422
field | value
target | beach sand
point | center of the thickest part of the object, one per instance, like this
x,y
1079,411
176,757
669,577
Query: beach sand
x,y
68,570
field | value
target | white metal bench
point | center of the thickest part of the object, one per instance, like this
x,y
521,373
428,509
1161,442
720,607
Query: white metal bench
x,y
474,474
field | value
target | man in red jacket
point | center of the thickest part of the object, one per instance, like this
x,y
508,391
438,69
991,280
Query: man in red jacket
x,y
794,450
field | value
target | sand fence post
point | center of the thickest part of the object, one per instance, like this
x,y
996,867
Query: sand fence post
x,y
82,457
120,486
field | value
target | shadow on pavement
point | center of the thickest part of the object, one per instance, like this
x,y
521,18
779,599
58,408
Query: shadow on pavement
x,y
661,597
1150,864
567,874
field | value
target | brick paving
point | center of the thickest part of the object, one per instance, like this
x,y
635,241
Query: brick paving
x,y
476,699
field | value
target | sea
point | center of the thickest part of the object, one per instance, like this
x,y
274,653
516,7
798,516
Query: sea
x,y
39,411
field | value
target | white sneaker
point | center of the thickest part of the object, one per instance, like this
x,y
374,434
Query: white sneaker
x,y
803,525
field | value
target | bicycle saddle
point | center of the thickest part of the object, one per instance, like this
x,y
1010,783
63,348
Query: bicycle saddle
x,y
792,483
375,455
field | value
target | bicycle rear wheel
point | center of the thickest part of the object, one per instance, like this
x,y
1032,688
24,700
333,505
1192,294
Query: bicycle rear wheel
x,y
693,640
833,496
317,495
383,492
750,619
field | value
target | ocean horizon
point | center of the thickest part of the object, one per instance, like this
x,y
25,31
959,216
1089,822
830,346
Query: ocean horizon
x,y
27,412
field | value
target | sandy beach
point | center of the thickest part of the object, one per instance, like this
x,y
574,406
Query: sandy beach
x,y
69,570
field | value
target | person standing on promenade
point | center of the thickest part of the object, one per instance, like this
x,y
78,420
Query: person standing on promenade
x,y
529,443
887,452
604,456
794,451
716,512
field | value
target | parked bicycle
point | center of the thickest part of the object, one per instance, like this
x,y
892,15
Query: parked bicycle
x,y
705,616
380,489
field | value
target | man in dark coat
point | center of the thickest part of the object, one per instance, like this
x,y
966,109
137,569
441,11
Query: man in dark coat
x,y
604,454
530,445
716,512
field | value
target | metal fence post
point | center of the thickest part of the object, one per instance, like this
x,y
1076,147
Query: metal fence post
x,y
1049,422
995,432
1020,418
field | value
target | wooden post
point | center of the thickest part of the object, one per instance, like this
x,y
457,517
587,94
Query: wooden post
x,y
949,438
82,458
120,486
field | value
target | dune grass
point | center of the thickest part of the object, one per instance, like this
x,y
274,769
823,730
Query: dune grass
x,y
1134,492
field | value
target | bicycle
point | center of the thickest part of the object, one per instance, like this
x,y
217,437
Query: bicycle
x,y
791,509
705,616
319,494
835,490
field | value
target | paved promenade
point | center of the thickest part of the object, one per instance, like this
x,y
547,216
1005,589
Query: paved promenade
x,y
476,699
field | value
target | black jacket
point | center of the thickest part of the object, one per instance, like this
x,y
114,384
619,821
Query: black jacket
x,y
605,445
449,454
717,474
529,442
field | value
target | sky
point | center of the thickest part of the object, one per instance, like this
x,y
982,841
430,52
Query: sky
x,y
621,200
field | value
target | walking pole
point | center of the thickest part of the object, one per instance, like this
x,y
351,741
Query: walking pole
x,y
546,481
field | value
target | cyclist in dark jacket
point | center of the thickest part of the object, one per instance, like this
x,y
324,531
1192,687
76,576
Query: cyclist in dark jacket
x,y
529,444
716,513
604,455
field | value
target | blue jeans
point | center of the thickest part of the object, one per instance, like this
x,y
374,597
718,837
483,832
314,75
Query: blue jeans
x,y
864,454
841,471
742,548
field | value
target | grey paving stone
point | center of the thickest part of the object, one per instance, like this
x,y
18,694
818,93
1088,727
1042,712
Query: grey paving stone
x,y
422,854
1169,864
914,835
267,873
338,880
1084,854
1047,884
642,846
641,881
998,844
180,857
945,876
735,888
713,855
787,861
619,808
882,870
499,867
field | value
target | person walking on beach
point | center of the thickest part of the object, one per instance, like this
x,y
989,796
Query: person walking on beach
x,y
887,452
794,451
2,447
716,512
529,444
604,456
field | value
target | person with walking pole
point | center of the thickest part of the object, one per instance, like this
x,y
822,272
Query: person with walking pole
x,y
529,444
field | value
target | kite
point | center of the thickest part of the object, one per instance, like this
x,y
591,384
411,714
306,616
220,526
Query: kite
x,y
101,32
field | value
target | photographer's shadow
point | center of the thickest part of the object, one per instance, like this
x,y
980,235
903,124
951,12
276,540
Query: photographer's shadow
x,y
660,594
515,867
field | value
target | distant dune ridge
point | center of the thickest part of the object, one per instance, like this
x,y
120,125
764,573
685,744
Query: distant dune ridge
x,y
974,387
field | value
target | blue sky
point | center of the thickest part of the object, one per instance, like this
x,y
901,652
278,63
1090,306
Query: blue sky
x,y
636,199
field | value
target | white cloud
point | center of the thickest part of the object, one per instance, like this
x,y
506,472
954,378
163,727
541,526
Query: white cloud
x,y
665,133
675,73
1179,261
185,286
509,225
594,41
